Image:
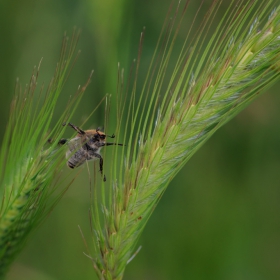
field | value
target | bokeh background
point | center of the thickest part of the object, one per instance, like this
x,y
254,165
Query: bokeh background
x,y
219,218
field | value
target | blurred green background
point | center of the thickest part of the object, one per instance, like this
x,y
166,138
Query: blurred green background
x,y
219,218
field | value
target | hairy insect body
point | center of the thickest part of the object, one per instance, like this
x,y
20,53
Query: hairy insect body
x,y
86,146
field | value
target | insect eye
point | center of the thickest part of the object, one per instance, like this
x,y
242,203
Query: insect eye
x,y
102,137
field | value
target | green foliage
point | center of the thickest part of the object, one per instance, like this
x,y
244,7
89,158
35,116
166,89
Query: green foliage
x,y
211,83
206,90
31,161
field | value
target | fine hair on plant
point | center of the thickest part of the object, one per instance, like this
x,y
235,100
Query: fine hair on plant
x,y
212,79
31,160
161,122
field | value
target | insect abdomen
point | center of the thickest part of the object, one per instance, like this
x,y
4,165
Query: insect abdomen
x,y
70,164
77,159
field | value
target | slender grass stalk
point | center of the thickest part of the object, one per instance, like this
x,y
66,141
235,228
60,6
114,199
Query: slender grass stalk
x,y
212,80
30,166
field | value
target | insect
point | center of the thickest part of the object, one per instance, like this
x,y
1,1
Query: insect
x,y
86,146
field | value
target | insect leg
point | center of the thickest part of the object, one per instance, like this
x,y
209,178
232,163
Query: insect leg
x,y
109,144
80,131
100,162
62,141
93,155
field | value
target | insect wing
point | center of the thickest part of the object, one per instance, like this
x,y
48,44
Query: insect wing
x,y
76,155
74,145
